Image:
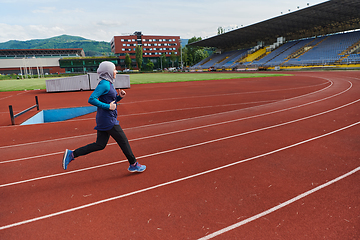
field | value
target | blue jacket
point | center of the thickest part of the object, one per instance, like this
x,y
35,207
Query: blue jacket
x,y
102,96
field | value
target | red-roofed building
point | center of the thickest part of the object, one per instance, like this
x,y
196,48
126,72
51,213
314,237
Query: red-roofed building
x,y
35,61
153,47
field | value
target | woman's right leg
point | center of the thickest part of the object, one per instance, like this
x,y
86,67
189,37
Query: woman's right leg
x,y
118,134
101,141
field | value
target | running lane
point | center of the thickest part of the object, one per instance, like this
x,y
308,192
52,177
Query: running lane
x,y
212,171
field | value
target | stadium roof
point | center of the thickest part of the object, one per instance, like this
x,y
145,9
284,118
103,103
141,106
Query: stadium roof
x,y
41,52
325,18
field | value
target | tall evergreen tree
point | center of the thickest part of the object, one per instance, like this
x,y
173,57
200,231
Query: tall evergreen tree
x,y
127,61
139,56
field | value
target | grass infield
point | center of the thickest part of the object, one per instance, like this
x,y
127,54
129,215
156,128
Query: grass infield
x,y
143,78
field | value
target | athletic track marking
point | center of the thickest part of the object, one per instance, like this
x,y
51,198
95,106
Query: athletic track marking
x,y
329,81
184,130
203,173
176,149
271,210
229,94
187,119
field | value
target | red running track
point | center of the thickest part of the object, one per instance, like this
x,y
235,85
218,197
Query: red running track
x,y
266,158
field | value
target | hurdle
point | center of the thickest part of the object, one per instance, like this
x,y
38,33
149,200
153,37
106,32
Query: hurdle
x,y
12,116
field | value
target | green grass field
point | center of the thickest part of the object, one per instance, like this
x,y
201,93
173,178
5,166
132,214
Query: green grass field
x,y
22,84
143,78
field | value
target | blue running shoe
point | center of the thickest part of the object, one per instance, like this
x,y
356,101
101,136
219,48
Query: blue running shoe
x,y
68,157
137,167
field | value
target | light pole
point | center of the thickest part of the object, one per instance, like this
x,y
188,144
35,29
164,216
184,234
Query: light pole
x,y
161,61
181,56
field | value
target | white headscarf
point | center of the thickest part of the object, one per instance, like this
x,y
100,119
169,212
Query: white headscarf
x,y
106,71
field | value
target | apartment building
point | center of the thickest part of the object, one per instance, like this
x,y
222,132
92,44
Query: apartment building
x,y
153,47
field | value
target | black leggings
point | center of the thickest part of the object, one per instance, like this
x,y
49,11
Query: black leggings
x,y
102,139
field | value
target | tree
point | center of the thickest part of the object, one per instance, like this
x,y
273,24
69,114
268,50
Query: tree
x,y
194,58
185,56
127,61
139,56
163,60
221,30
149,65
172,58
200,54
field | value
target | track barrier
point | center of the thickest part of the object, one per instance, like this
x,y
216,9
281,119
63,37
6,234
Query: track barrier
x,y
12,116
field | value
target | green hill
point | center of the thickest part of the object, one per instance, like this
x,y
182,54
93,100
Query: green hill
x,y
91,48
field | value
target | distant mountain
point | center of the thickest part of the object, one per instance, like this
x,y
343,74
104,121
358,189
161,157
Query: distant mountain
x,y
90,47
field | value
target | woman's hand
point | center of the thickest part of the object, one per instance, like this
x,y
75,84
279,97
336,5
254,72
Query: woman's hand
x,y
113,105
121,93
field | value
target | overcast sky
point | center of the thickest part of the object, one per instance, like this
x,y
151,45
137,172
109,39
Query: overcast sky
x,y
103,19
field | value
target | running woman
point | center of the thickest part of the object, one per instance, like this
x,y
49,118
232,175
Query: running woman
x,y
105,98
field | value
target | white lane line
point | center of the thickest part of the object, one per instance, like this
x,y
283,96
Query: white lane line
x,y
137,114
178,180
186,119
32,157
186,109
47,141
181,148
282,205
12,96
205,126
227,94
230,94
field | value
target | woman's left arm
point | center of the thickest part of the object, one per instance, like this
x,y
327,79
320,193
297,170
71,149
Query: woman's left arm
x,y
101,89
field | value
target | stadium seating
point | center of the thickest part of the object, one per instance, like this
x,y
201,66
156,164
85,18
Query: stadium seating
x,y
275,53
237,56
342,48
223,60
329,51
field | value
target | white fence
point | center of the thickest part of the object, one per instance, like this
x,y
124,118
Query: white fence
x,y
83,82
